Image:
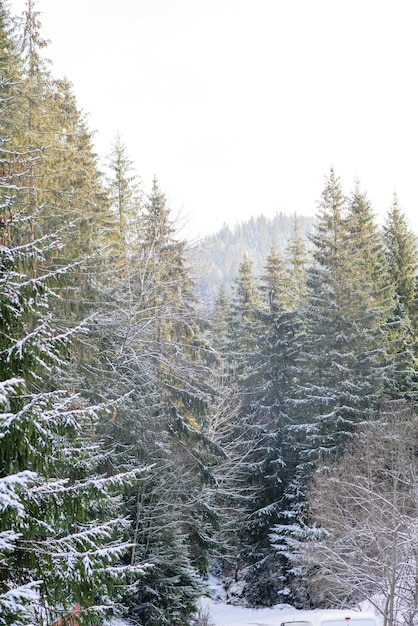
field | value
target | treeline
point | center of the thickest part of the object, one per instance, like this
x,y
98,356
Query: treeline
x,y
144,439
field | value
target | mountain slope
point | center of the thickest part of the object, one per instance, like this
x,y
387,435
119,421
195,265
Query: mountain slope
x,y
215,260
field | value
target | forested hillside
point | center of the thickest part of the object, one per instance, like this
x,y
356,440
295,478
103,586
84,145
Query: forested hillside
x,y
216,259
146,439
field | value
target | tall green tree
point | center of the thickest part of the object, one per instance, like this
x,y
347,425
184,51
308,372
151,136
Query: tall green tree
x,y
60,527
343,361
259,459
151,364
297,258
268,406
62,531
125,194
11,71
242,320
400,335
62,181
220,318
401,250
345,371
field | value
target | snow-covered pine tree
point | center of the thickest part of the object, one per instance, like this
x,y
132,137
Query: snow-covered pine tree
x,y
297,259
252,446
219,319
125,198
59,513
402,258
343,362
345,369
149,357
267,405
242,320
401,327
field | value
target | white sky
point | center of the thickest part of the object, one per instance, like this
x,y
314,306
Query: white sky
x,y
240,107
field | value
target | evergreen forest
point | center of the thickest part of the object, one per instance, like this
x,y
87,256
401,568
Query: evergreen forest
x,y
160,421
216,258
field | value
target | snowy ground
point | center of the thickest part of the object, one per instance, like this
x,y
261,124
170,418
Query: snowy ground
x,y
227,615
222,614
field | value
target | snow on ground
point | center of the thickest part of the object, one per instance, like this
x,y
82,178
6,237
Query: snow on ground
x,y
228,615
222,614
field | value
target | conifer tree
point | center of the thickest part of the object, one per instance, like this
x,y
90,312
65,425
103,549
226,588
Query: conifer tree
x,y
345,371
10,71
402,258
259,457
62,181
319,374
150,364
117,235
400,335
343,361
242,320
59,523
269,408
125,194
220,318
297,258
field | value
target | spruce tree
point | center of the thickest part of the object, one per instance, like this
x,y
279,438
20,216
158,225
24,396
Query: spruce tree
x,y
348,302
242,321
297,258
345,371
125,194
259,455
320,375
402,258
61,181
270,410
59,524
10,71
400,335
150,365
220,318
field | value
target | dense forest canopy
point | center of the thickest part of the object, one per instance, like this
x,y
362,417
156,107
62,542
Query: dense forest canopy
x,y
160,420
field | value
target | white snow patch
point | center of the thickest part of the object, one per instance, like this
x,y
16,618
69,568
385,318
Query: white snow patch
x,y
230,615
222,614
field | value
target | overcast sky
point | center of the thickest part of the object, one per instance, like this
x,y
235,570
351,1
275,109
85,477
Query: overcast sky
x,y
240,107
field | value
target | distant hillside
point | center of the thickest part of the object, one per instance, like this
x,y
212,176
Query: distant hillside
x,y
216,259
